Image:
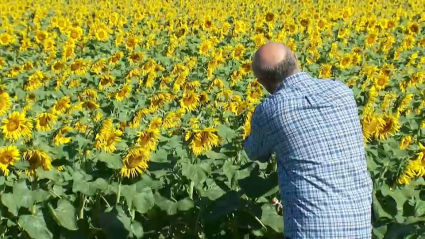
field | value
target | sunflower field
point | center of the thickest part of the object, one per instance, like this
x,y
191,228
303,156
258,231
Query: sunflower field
x,y
125,118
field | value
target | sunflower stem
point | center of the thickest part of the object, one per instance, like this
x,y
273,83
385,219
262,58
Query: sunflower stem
x,y
191,185
34,186
83,204
119,191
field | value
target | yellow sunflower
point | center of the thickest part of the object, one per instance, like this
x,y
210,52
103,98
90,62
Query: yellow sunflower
x,y
204,140
390,127
108,139
45,121
123,93
60,137
16,126
155,123
135,162
37,159
5,103
61,105
189,101
148,139
8,155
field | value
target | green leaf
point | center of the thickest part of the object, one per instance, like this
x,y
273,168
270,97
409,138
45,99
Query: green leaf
x,y
66,215
185,204
214,155
101,184
214,192
173,142
225,132
137,229
144,200
270,218
159,156
2,179
35,226
113,161
128,192
194,173
9,201
84,187
52,174
40,195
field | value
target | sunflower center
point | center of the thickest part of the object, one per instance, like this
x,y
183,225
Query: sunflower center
x,y
44,121
133,161
4,39
12,125
74,35
75,66
6,159
60,105
131,43
101,34
381,81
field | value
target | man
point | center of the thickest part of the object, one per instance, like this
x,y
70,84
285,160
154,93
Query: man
x,y
312,126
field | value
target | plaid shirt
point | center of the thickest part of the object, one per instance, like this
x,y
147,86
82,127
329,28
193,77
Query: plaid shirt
x,y
313,127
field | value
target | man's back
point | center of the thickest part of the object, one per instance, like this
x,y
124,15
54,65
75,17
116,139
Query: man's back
x,y
314,129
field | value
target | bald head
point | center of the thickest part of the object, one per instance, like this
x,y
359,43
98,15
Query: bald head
x,y
273,62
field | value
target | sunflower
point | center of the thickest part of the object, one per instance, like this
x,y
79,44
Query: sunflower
x,y
16,126
106,80
346,61
107,139
135,162
390,127
155,123
37,159
6,39
45,121
381,82
57,67
5,103
102,35
148,139
371,125
90,105
204,140
189,101
8,155
75,33
40,36
61,105
123,93
413,28
60,137
205,48
171,120
116,58
136,58
325,71
405,142
89,94
131,42
79,67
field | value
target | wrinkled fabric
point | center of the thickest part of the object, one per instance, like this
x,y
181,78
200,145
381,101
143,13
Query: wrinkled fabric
x,y
313,127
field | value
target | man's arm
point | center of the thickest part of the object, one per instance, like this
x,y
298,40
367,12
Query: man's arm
x,y
258,145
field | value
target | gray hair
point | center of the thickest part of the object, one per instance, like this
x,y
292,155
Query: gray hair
x,y
277,72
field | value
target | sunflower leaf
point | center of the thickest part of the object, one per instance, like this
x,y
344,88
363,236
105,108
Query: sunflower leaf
x,y
9,201
35,226
144,200
66,215
113,161
225,132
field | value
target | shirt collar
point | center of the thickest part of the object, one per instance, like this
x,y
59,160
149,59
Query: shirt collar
x,y
293,80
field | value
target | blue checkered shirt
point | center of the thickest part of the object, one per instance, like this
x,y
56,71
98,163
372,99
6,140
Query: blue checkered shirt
x,y
313,127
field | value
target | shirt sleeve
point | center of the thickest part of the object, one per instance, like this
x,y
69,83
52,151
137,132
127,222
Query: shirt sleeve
x,y
258,145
